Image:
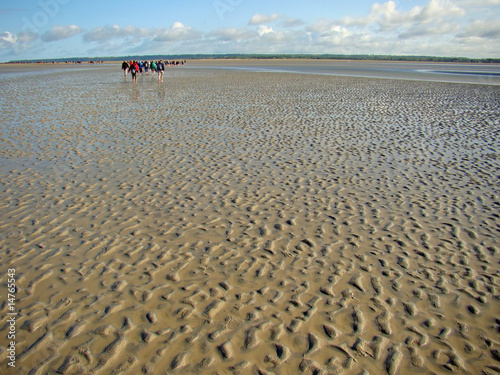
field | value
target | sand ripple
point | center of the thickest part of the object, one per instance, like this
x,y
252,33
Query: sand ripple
x,y
242,222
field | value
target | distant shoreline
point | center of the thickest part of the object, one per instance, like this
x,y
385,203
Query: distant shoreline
x,y
475,73
394,58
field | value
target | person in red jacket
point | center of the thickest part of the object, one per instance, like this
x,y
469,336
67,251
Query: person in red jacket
x,y
134,69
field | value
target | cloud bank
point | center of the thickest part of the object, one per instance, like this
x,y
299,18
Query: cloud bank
x,y
440,27
61,32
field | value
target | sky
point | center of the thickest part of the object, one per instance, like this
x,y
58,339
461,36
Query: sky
x,y
45,29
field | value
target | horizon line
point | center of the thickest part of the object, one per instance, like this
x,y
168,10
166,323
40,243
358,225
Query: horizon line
x,y
199,56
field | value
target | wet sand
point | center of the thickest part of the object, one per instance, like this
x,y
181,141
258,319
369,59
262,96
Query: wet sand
x,y
483,74
236,222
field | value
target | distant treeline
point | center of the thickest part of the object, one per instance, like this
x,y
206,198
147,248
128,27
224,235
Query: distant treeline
x,y
267,56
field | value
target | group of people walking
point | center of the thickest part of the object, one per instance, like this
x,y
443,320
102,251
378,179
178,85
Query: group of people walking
x,y
139,67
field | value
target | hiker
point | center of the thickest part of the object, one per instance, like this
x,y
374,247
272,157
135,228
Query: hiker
x,y
153,68
160,68
125,68
134,69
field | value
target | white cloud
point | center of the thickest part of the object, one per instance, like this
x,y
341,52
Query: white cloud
x,y
271,37
388,17
438,9
116,40
113,47
321,26
424,30
232,34
106,33
264,30
478,3
336,36
7,38
292,22
259,19
16,43
61,32
26,37
393,30
481,29
337,30
177,32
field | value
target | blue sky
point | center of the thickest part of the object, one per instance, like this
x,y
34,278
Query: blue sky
x,y
36,29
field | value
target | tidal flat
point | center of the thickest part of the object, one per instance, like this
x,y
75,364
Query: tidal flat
x,y
234,221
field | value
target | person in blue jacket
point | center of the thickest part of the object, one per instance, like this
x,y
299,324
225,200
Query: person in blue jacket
x,y
160,68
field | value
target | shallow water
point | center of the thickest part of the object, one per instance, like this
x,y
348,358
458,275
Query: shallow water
x,y
434,72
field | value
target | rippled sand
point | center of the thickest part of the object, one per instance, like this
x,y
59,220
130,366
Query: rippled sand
x,y
231,222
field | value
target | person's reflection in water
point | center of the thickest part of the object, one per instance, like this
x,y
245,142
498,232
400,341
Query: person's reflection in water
x,y
161,92
135,94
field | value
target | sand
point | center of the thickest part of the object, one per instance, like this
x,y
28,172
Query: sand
x,y
233,222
